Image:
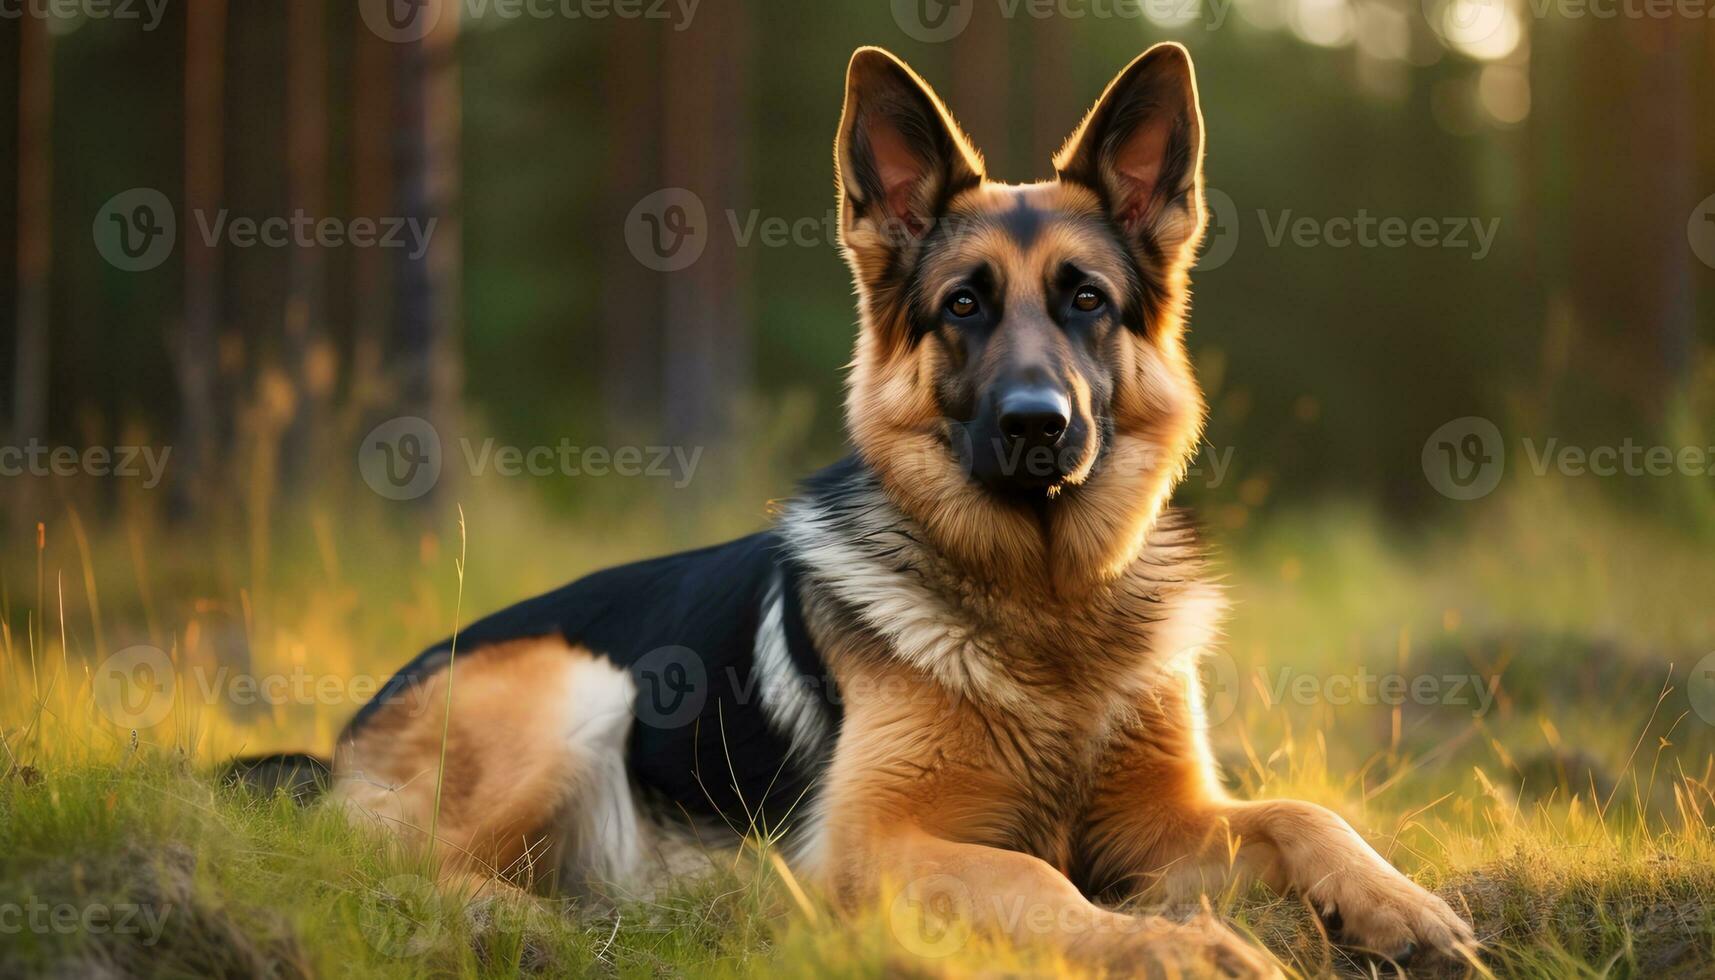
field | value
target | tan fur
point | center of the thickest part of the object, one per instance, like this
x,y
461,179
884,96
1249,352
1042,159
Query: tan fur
x,y
510,767
1159,822
932,792
1052,732
1097,526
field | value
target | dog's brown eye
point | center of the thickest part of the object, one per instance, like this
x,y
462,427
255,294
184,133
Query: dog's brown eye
x,y
962,303
1087,300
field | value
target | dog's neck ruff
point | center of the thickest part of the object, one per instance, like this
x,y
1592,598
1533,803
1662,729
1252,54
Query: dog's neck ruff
x,y
986,641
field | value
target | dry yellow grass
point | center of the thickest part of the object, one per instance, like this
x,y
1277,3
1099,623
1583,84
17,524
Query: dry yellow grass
x,y
1568,810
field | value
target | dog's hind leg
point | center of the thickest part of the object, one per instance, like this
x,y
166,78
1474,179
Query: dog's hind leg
x,y
525,775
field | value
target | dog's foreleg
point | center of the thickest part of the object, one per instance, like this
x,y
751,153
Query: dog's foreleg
x,y
1160,822
903,834
937,894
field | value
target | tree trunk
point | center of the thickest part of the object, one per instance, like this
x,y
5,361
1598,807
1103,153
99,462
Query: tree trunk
x,y
981,68
704,140
1054,95
35,244
371,191
1671,114
428,287
631,315
1632,169
196,352
309,356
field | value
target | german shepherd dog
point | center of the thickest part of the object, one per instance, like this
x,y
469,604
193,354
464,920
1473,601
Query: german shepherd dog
x,y
961,667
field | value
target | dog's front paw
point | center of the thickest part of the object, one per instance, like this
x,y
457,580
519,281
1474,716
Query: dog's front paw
x,y
1384,912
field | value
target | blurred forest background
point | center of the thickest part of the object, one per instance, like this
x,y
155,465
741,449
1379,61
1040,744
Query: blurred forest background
x,y
530,132
536,148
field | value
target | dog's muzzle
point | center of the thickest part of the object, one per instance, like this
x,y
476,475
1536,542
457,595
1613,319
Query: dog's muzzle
x,y
1026,439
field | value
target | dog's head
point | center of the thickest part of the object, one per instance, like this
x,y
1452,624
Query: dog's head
x,y
1020,382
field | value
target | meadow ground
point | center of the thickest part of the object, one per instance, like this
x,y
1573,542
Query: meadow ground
x,y
1510,708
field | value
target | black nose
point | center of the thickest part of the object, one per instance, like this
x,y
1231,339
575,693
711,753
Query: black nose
x,y
1034,416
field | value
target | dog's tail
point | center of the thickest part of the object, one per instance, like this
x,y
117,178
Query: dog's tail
x,y
305,778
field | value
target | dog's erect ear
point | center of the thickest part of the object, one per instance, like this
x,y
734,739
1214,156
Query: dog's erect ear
x,y
899,155
1141,148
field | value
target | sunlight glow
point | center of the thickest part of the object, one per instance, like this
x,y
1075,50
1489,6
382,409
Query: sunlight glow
x,y
1383,31
1326,23
1504,93
1485,29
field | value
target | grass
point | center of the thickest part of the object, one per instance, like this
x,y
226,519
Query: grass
x,y
1568,812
